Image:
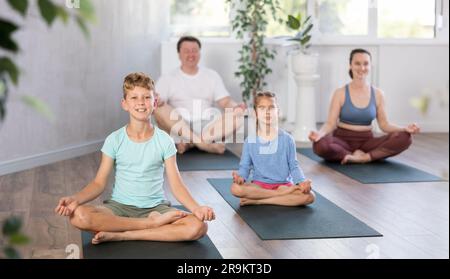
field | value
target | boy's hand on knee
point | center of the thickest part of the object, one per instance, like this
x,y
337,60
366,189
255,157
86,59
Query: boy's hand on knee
x,y
204,213
66,206
238,179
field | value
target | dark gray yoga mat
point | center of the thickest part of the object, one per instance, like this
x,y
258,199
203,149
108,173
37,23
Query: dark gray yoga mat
x,y
322,219
200,249
386,171
197,160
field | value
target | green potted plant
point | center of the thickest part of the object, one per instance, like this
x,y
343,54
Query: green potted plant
x,y
249,24
303,61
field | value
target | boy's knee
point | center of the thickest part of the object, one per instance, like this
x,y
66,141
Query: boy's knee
x,y
236,190
196,228
81,218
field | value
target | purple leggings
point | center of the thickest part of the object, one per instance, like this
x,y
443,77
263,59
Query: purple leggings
x,y
334,147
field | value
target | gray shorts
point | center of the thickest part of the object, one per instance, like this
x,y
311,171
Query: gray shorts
x,y
131,211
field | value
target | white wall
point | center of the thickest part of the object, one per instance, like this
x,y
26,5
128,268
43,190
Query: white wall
x,y
80,80
402,71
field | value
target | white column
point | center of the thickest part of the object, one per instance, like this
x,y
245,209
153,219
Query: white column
x,y
305,110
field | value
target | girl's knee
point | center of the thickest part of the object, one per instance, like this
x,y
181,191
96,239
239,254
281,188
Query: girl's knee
x,y
311,198
236,190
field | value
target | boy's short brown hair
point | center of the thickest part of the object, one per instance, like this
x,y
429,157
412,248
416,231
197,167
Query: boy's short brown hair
x,y
137,79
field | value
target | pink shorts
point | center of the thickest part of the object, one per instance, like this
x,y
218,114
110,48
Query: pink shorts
x,y
270,186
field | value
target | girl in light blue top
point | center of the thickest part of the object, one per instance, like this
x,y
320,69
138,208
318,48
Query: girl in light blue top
x,y
271,156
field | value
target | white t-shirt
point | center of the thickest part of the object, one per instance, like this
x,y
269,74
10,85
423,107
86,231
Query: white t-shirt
x,y
192,95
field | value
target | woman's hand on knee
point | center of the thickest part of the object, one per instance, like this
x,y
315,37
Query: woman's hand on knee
x,y
314,136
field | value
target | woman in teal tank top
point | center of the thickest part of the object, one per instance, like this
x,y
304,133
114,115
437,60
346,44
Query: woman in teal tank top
x,y
347,135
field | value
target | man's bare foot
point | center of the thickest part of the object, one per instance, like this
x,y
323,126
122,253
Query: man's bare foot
x,y
183,147
216,148
157,219
244,202
106,236
358,156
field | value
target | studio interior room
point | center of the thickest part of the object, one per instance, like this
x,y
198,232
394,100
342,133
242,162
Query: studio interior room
x,y
224,129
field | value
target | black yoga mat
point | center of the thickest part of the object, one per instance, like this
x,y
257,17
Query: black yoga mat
x,y
197,160
384,171
322,219
200,249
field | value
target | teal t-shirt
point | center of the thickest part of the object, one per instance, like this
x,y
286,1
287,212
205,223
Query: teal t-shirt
x,y
139,167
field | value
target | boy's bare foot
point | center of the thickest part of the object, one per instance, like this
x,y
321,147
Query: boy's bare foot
x,y
358,156
157,219
106,236
183,147
216,148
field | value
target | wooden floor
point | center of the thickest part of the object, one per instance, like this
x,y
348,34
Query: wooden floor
x,y
413,217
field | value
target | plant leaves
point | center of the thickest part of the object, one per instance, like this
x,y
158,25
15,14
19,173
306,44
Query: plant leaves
x,y
87,11
19,5
48,11
18,239
38,105
293,23
6,29
11,253
82,26
8,66
62,13
12,226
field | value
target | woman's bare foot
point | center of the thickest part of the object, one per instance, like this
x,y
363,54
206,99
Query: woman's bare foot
x,y
216,148
183,147
106,236
157,219
358,156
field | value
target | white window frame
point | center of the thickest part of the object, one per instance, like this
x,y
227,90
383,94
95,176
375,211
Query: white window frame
x,y
441,35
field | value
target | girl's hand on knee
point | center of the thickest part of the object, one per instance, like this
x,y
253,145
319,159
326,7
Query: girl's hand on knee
x,y
204,213
305,186
66,206
238,179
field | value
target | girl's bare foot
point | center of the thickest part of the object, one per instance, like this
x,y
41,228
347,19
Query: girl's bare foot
x,y
285,190
106,236
244,202
157,219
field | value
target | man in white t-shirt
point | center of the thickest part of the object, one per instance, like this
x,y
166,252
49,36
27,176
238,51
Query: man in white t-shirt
x,y
186,102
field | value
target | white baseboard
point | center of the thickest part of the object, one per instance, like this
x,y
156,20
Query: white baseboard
x,y
42,159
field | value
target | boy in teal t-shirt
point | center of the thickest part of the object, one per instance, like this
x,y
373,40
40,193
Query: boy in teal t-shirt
x,y
139,152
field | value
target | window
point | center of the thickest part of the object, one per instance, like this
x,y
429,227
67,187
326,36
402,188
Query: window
x,y
343,17
199,18
417,22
